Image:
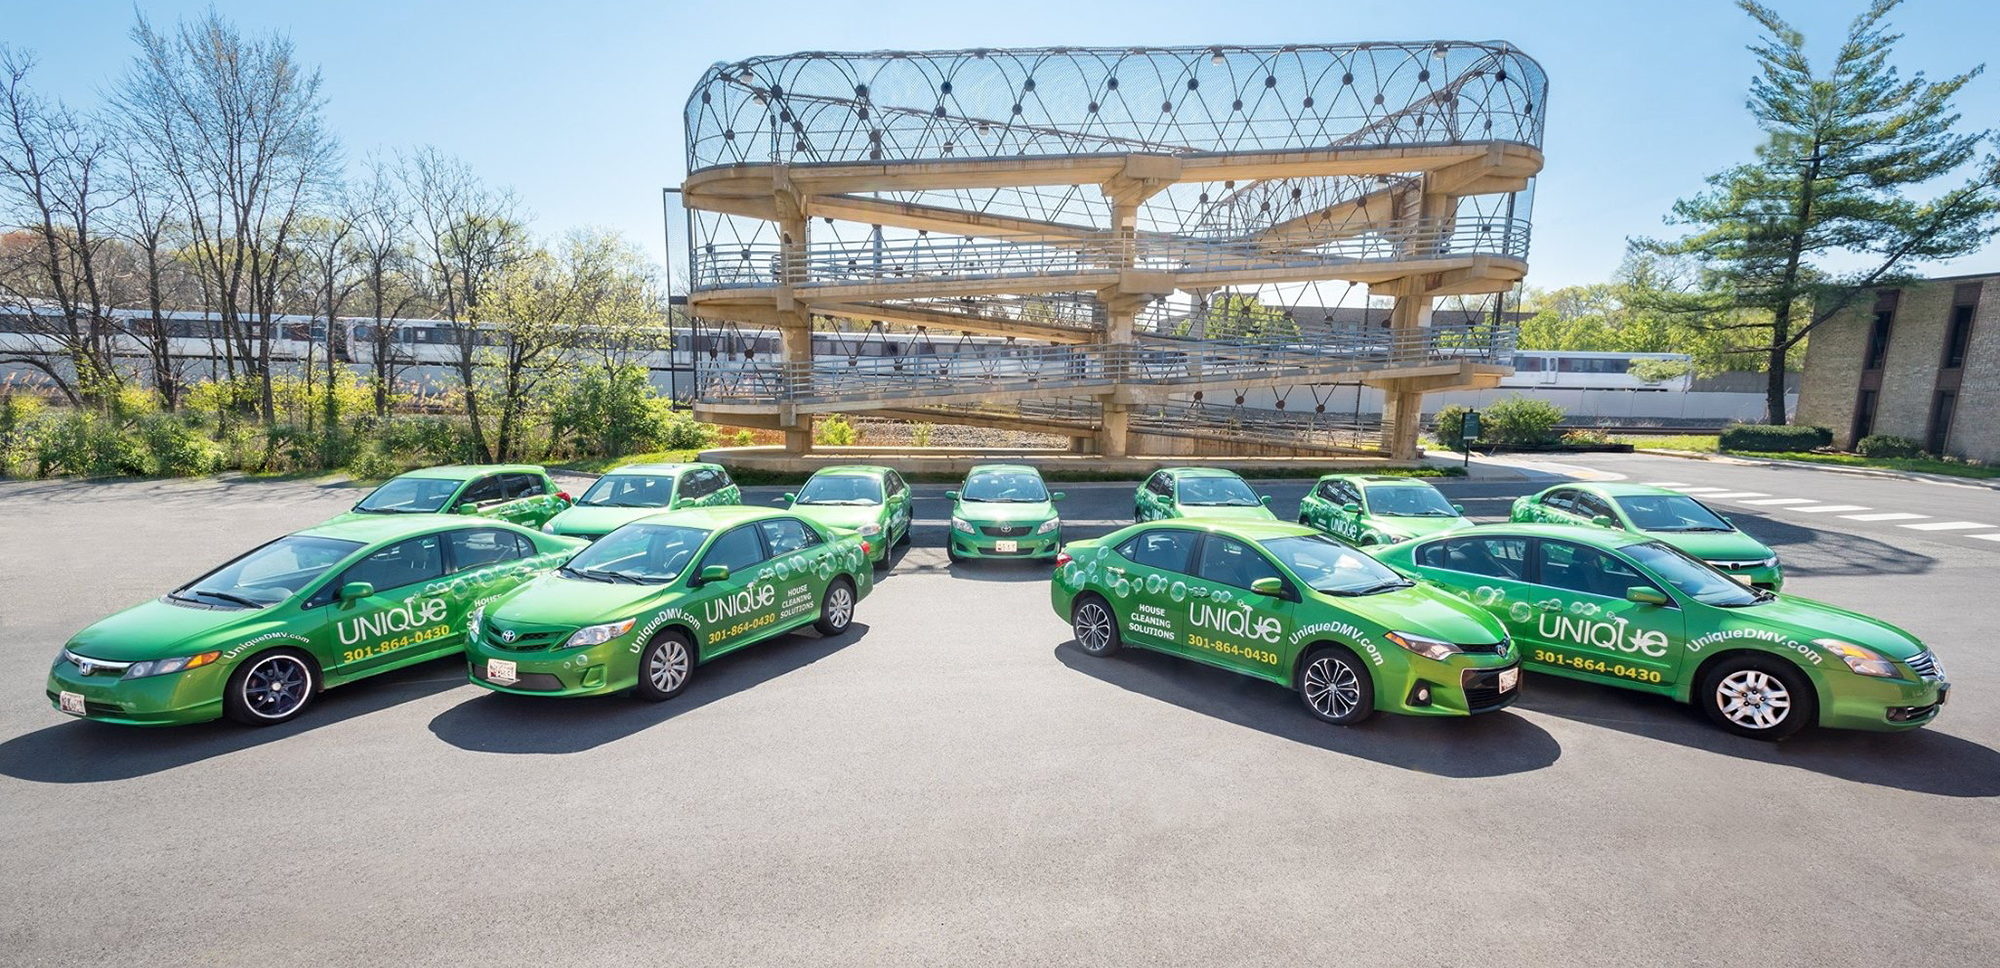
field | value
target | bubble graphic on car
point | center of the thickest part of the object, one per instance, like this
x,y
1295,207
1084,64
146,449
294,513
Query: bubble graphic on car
x,y
1521,612
1488,596
1178,592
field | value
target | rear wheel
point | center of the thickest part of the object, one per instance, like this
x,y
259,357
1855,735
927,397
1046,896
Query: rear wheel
x,y
1336,686
1758,696
665,667
836,608
1095,626
270,688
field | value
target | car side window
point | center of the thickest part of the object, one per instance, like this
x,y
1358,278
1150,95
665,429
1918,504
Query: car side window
x,y
896,485
515,486
1560,500
720,479
1493,557
1581,568
1590,506
696,484
403,563
738,548
1323,490
1164,549
485,490
1161,484
478,547
786,535
1230,562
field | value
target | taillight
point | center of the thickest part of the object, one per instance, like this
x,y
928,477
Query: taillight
x,y
565,496
1063,558
865,549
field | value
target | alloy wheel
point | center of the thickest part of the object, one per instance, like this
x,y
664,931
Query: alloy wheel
x,y
277,686
1092,625
1332,688
1753,699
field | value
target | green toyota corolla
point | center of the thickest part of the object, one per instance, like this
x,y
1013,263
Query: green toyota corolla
x,y
1655,512
647,603
515,493
872,501
1204,492
1284,603
1003,511
1368,509
259,637
1627,610
635,491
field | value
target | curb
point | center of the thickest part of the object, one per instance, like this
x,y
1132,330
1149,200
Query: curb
x,y
1884,473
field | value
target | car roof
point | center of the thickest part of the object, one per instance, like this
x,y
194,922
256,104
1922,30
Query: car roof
x,y
1249,530
1582,534
1179,472
673,468
370,528
1621,489
463,471
713,518
1379,479
1003,468
852,469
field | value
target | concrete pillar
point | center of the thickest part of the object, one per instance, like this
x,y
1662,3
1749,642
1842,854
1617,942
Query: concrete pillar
x,y
1114,434
1402,420
1120,313
794,325
1402,411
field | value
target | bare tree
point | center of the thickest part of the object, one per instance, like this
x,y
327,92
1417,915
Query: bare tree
x,y
382,242
331,263
146,226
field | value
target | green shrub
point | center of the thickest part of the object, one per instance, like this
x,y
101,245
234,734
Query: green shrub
x,y
678,430
1768,438
1587,437
1888,445
1445,427
920,434
742,438
1521,421
834,431
177,448
84,444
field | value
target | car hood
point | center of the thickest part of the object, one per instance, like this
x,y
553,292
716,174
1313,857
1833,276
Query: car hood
x,y
586,519
1715,545
1806,620
1251,512
1423,609
992,512
551,600
1404,529
158,630
850,516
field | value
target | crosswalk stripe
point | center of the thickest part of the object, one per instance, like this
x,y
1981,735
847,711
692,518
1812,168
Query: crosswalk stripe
x,y
1703,490
1995,536
1828,508
1885,516
1945,526
1781,500
1666,483
1734,495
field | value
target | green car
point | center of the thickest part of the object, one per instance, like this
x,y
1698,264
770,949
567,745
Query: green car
x,y
1670,516
1369,509
643,606
515,493
1627,610
1206,492
1003,511
872,501
636,491
1287,604
256,639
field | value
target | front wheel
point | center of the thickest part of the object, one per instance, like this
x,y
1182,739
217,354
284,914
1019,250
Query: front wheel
x,y
1759,697
270,688
665,667
836,608
1095,626
1336,687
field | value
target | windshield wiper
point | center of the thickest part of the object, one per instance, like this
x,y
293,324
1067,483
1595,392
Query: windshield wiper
x,y
617,576
227,597
1390,585
568,572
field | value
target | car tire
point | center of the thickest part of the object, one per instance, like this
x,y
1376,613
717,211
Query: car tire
x,y
1095,625
904,538
1138,515
1761,697
1336,687
836,608
951,552
270,688
666,666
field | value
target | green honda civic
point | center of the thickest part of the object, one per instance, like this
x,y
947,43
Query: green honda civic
x,y
1627,610
1003,511
1656,512
256,639
871,501
645,605
1369,509
519,494
1286,604
1206,492
635,491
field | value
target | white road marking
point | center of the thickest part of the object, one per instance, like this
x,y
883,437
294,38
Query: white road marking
x,y
1666,483
1945,526
1734,495
1781,500
1995,536
1828,508
1885,516
1703,490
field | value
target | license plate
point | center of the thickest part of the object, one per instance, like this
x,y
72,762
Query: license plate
x,y
501,671
71,702
1509,678
1005,547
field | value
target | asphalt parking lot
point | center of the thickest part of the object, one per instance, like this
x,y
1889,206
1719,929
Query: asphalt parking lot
x,y
952,782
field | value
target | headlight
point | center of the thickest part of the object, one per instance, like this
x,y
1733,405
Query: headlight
x,y
869,529
474,623
961,524
549,528
1867,662
1424,645
1049,525
160,667
1771,562
598,634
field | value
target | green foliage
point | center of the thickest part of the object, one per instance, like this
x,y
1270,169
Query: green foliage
x,y
1774,439
1242,317
1888,445
742,438
834,431
920,434
1586,437
1521,420
1445,427
1651,371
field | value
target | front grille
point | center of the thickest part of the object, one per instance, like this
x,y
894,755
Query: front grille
x,y
525,641
1737,565
1482,690
98,667
1004,530
1906,714
1489,648
1925,665
528,681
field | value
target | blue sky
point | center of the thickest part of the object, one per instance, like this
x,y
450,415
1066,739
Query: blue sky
x,y
577,105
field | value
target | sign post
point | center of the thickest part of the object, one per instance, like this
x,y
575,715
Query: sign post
x,y
1468,431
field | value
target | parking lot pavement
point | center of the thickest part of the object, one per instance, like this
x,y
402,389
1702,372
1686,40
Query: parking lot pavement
x,y
952,782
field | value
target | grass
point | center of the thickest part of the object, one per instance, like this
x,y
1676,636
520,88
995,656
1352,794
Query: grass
x,y
1697,443
598,465
1921,465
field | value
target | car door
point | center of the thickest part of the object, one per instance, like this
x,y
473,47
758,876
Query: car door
x,y
799,566
898,498
1492,571
1345,512
479,564
1224,622
521,499
485,493
692,488
726,491
1585,625
1589,508
733,612
408,609
1147,582
1155,498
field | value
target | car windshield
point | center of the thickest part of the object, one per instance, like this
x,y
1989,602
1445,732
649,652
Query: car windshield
x,y
651,554
840,489
1005,487
1693,576
1670,512
629,491
1217,492
1326,565
268,575
1409,501
410,495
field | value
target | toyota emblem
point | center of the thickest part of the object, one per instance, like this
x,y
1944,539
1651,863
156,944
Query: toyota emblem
x,y
507,636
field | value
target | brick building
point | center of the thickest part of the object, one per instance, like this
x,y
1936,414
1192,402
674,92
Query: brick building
x,y
1921,361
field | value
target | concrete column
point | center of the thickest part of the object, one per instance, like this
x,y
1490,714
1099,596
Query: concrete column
x,y
1402,411
794,324
1120,312
1402,420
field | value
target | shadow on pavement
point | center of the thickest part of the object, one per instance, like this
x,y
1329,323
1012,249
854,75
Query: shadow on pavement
x,y
1492,744
1808,551
498,722
81,751
1922,761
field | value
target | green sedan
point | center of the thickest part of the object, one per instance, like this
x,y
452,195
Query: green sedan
x,y
1286,604
258,638
1369,509
1626,610
1670,516
515,493
1003,511
635,491
871,501
1205,492
646,604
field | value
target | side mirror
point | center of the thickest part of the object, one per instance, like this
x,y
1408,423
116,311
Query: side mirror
x,y
1646,596
1460,508
1604,521
951,495
1270,587
355,591
712,573
1057,496
1266,499
789,498
1351,508
468,509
